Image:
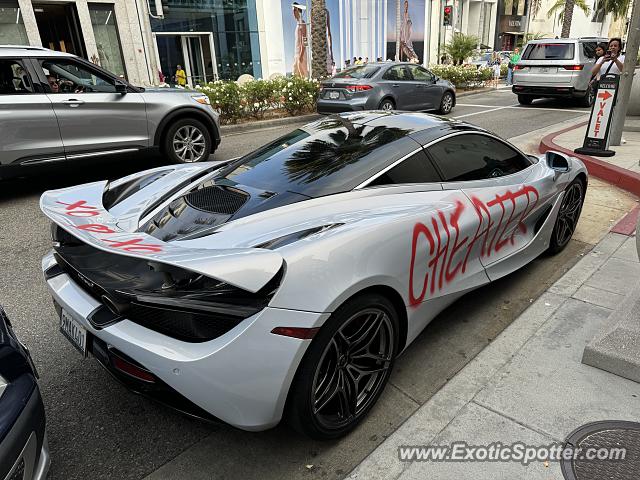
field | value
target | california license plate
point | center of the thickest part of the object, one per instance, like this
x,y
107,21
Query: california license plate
x,y
334,95
74,332
546,70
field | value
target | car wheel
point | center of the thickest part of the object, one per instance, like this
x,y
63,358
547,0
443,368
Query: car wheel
x,y
446,104
187,141
525,99
568,216
588,98
345,369
387,105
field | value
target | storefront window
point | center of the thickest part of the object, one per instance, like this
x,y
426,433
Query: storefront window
x,y
11,25
230,25
105,30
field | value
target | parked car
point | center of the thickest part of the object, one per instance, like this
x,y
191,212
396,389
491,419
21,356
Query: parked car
x,y
56,107
286,282
24,452
386,86
558,67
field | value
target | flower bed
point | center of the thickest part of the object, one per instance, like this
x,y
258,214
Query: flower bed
x,y
254,99
463,76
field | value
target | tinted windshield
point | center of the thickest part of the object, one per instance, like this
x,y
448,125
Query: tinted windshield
x,y
362,71
549,51
332,158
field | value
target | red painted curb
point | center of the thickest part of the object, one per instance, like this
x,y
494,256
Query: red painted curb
x,y
627,226
621,177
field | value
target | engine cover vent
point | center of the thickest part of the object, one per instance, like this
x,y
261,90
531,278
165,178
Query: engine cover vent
x,y
217,199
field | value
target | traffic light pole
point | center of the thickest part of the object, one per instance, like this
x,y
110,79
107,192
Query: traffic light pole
x,y
626,79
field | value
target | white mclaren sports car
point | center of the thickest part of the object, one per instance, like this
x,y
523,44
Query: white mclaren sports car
x,y
284,284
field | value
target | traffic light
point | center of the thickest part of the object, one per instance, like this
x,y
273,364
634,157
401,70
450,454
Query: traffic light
x,y
446,15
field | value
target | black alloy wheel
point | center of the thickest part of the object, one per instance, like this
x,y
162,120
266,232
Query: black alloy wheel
x,y
568,216
345,368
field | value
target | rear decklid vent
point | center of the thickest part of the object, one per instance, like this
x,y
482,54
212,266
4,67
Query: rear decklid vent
x,y
217,199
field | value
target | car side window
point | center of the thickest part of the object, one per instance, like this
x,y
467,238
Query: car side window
x,y
475,157
14,79
589,49
68,76
415,169
397,73
420,74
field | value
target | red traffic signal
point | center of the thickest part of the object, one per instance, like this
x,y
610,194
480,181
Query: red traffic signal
x,y
446,15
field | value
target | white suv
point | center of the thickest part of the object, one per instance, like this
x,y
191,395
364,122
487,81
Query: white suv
x,y
558,67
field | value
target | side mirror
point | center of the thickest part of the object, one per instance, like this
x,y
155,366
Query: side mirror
x,y
121,88
557,162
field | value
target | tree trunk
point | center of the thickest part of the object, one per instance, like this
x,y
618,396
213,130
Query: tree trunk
x,y
568,16
319,67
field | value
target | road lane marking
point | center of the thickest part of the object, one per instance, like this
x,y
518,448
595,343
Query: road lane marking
x,y
481,112
516,106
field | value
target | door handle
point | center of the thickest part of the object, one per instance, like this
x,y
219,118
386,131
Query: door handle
x,y
72,102
395,85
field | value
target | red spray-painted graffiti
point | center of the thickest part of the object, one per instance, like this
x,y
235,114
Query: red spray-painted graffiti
x,y
82,209
496,228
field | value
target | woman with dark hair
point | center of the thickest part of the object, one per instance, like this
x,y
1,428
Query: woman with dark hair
x,y
612,61
601,49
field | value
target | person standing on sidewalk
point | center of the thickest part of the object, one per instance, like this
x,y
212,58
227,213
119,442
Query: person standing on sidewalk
x,y
495,63
612,61
181,76
513,61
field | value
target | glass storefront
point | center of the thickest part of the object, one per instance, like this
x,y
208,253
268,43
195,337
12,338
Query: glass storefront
x,y
105,30
12,31
191,27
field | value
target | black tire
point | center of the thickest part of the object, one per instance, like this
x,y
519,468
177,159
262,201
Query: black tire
x,y
568,216
187,140
446,103
525,99
324,383
387,105
588,98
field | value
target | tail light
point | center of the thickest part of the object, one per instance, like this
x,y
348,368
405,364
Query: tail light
x,y
358,88
519,67
573,67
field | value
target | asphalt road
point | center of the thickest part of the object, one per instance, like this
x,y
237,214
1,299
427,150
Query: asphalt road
x,y
99,430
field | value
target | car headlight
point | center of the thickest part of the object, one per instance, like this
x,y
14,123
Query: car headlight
x,y
201,99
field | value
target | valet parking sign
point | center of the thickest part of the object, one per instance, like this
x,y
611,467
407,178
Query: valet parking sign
x,y
596,140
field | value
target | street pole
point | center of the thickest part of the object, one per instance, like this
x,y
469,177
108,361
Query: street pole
x,y
481,26
626,79
398,20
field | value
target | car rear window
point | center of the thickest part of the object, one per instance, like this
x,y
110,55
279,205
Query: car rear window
x,y
363,71
549,51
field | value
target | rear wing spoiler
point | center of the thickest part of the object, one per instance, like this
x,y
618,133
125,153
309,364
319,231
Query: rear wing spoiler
x,y
79,211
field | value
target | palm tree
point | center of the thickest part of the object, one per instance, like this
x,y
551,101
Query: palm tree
x,y
566,15
461,47
318,39
618,8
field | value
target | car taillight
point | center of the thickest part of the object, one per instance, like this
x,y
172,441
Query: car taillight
x,y
358,88
519,67
573,67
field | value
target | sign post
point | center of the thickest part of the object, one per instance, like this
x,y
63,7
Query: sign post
x,y
596,140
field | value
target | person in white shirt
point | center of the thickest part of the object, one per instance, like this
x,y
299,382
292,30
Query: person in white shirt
x,y
611,62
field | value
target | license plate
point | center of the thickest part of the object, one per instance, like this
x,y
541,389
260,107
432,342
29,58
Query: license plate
x,y
546,70
334,95
74,332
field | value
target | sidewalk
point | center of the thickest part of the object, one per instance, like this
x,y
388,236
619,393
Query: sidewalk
x,y
530,385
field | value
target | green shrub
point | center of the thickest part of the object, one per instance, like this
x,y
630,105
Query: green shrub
x,y
226,98
258,97
296,94
504,66
463,76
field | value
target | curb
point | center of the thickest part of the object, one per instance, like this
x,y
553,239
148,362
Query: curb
x,y
621,177
261,124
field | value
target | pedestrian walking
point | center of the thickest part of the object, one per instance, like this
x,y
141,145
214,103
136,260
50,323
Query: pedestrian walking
x,y
513,61
181,76
496,62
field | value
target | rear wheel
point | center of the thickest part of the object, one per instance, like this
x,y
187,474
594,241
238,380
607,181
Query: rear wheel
x,y
345,369
525,99
446,104
588,98
568,216
387,105
187,141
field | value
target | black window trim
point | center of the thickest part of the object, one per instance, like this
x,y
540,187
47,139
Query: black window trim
x,y
402,66
38,89
474,132
375,176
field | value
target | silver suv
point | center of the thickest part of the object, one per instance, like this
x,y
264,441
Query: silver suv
x,y
558,67
56,107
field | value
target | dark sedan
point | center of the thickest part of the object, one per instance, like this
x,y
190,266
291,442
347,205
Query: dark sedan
x,y
24,454
386,86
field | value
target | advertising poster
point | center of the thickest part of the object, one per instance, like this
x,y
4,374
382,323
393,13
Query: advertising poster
x,y
296,26
411,30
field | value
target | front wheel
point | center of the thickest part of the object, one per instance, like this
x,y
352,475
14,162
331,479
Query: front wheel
x,y
446,104
187,141
345,369
568,216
